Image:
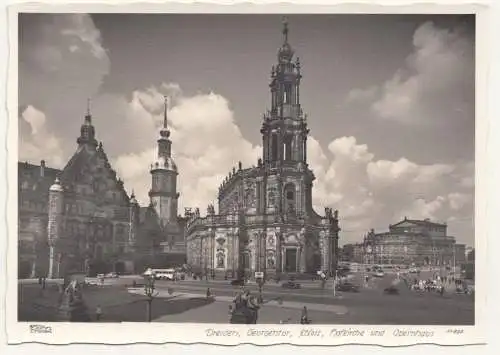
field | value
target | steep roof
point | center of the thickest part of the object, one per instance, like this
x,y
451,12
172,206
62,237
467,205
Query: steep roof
x,y
86,158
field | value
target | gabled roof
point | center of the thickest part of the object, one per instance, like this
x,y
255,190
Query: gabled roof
x,y
417,222
85,157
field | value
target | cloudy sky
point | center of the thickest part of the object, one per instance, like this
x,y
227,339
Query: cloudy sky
x,y
390,101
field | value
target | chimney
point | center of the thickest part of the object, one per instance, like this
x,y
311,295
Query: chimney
x,y
42,168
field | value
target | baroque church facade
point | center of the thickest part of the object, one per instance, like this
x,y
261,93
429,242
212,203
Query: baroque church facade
x,y
81,219
266,222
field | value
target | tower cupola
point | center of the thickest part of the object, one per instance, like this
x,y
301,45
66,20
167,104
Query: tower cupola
x,y
164,158
285,53
87,130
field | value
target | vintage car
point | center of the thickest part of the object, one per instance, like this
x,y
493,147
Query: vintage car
x,y
237,282
347,287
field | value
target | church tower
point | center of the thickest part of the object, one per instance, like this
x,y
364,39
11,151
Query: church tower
x,y
87,131
284,136
163,193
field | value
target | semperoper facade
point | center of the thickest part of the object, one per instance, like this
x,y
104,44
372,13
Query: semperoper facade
x,y
265,221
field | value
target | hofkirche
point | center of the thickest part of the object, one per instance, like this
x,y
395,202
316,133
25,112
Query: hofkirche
x,y
266,222
81,217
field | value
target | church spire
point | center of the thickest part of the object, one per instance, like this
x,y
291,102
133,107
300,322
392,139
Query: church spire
x,y
285,30
88,107
87,130
164,132
285,53
165,113
164,142
285,141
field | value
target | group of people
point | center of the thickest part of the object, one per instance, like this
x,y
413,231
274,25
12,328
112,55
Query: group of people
x,y
245,308
438,284
426,285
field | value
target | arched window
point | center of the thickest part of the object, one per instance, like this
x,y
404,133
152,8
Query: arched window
x,y
287,94
274,147
289,197
287,148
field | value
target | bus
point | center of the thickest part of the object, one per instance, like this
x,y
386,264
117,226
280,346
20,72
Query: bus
x,y
163,274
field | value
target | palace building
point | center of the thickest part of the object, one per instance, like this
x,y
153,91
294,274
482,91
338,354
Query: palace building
x,y
265,221
81,218
410,241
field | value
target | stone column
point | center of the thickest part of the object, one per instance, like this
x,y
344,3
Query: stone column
x,y
325,248
51,261
263,250
236,254
279,266
303,259
212,250
253,254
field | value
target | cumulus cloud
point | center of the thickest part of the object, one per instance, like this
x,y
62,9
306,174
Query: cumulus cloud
x,y
61,63
374,193
362,95
197,124
36,143
435,84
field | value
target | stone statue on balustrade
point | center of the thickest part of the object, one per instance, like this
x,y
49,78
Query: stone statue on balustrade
x,y
210,210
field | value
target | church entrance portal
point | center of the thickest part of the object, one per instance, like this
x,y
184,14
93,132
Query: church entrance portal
x,y
291,260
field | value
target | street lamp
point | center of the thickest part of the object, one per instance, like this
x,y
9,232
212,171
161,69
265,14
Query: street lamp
x,y
149,291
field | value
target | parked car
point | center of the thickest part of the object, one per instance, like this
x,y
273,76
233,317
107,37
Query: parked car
x,y
111,275
378,273
347,287
238,282
291,284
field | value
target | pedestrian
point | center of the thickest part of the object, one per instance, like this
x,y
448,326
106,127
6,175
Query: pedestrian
x,y
44,279
304,319
253,308
98,313
209,293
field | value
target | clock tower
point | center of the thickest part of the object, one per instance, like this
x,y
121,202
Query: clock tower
x,y
163,194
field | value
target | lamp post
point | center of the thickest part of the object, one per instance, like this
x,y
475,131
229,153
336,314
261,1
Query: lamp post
x,y
149,291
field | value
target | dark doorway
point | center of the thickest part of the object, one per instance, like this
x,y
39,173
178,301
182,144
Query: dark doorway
x,y
291,260
246,261
120,267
